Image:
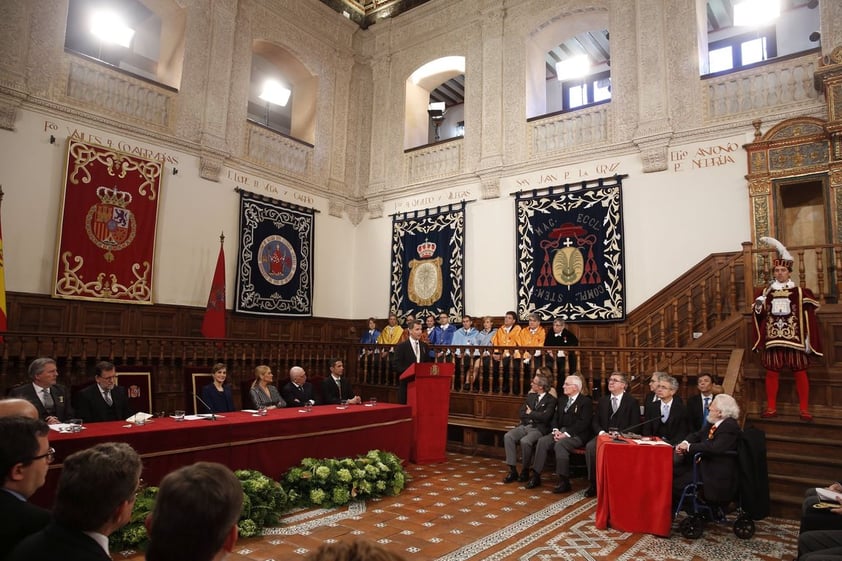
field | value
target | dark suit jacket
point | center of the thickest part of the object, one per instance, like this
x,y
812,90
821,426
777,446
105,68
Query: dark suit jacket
x,y
626,416
331,393
297,397
576,421
541,416
58,542
18,519
219,402
91,406
718,470
403,356
675,429
695,412
64,411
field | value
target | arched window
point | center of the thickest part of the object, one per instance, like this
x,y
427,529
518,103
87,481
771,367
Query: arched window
x,y
558,47
434,108
742,33
142,38
282,92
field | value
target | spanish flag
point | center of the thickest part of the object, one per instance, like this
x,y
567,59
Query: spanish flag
x,y
213,324
3,325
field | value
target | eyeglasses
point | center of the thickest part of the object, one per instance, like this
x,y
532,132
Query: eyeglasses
x,y
616,380
50,456
109,378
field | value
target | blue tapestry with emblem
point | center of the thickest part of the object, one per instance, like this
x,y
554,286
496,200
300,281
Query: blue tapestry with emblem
x,y
428,262
570,261
275,259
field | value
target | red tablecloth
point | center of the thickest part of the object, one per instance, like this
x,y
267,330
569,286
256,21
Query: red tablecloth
x,y
634,484
240,440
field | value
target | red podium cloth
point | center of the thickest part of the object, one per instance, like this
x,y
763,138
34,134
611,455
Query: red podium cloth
x,y
271,444
428,394
634,484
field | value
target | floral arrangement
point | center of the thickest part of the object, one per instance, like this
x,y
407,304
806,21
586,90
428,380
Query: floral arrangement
x,y
264,500
314,483
133,535
334,482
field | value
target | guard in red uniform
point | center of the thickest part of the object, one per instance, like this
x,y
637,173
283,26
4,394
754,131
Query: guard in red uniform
x,y
787,332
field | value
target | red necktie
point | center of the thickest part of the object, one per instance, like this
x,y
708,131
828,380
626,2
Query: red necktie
x,y
711,431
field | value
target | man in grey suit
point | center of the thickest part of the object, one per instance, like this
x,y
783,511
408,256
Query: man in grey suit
x,y
536,413
50,399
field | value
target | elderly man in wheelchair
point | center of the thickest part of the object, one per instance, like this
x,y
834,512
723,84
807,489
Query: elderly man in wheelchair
x,y
705,475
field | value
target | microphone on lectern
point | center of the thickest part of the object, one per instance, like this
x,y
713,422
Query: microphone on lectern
x,y
208,407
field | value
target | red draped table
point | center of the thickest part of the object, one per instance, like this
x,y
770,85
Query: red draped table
x,y
270,444
634,484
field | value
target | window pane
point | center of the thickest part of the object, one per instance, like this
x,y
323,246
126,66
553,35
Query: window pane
x,y
753,51
602,90
577,95
721,59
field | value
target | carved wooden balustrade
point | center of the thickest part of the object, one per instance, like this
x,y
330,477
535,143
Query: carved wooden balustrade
x,y
722,287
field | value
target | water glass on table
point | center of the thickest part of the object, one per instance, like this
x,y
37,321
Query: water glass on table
x,y
179,415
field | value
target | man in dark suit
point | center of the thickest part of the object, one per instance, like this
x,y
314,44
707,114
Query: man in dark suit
x,y
409,352
103,400
25,456
50,399
616,411
574,416
335,388
560,336
718,441
536,414
212,497
668,415
298,392
96,493
698,406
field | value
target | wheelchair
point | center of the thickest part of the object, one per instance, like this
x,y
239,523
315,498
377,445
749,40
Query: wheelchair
x,y
701,512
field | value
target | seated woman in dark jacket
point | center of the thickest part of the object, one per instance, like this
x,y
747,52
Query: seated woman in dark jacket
x,y
217,396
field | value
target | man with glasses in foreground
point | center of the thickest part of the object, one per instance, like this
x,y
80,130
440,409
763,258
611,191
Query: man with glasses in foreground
x,y
616,411
103,400
25,455
96,493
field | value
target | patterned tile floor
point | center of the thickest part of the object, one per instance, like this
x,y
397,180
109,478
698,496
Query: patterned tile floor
x,y
461,510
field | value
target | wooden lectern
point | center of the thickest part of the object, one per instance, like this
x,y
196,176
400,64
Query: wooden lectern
x,y
428,393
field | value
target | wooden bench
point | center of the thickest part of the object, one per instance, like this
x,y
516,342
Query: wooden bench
x,y
484,436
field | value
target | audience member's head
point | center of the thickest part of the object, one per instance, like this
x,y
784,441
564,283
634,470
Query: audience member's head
x,y
97,488
656,377
356,550
572,385
667,386
510,318
372,323
617,383
262,374
337,367
726,406
105,375
43,371
430,321
16,407
297,375
542,382
25,454
487,323
416,329
195,515
705,383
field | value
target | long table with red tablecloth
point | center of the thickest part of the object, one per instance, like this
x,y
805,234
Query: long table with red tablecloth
x,y
271,444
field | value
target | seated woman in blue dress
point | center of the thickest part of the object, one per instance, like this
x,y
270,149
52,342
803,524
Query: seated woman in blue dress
x,y
263,392
217,396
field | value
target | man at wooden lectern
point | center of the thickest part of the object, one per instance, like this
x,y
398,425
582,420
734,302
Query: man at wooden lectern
x,y
411,351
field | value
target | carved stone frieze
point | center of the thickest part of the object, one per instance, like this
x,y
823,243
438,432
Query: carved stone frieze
x,y
375,208
335,208
8,112
355,213
210,165
760,187
760,211
490,186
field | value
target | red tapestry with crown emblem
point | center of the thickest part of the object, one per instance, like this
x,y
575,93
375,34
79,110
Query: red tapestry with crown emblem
x,y
108,221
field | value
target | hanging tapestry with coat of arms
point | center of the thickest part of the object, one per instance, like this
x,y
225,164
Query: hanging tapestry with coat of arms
x,y
109,216
570,252
428,262
275,259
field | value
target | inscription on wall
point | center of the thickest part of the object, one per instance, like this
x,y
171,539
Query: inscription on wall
x,y
431,200
709,156
258,185
115,143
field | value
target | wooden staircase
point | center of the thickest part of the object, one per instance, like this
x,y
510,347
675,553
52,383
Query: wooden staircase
x,y
708,307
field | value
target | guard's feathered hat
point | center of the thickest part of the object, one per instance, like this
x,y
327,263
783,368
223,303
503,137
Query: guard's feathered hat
x,y
784,257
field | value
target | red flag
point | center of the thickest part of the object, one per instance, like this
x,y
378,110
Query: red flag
x,y
213,326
